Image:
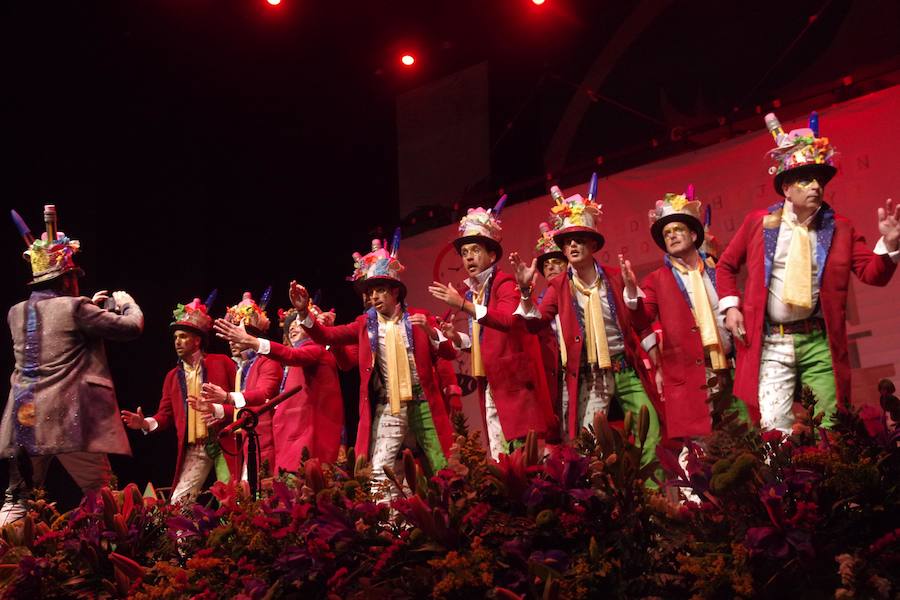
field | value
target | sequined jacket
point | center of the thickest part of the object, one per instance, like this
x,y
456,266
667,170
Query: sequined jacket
x,y
61,396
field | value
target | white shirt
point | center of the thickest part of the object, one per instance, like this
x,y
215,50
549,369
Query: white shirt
x,y
475,284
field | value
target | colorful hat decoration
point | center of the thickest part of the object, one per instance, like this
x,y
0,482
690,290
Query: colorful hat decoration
x,y
546,248
800,151
193,316
252,315
53,254
576,215
483,227
378,266
677,207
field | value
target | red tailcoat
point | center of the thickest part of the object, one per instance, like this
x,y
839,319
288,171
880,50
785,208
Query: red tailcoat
x,y
549,343
558,300
261,384
313,417
513,365
218,369
685,411
450,389
840,249
425,357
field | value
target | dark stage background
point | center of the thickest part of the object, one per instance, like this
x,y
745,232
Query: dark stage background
x,y
228,144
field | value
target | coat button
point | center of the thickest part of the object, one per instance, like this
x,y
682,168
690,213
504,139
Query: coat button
x,y
368,369
695,329
577,339
698,362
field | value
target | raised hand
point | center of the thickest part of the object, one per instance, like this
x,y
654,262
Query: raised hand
x,y
133,420
326,318
450,333
628,277
420,320
446,293
734,322
525,274
236,335
889,224
100,297
299,298
214,393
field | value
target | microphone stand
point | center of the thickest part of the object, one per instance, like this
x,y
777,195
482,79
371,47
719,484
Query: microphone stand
x,y
248,419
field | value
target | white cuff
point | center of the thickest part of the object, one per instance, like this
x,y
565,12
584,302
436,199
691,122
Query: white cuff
x,y
728,302
648,342
632,303
465,342
264,346
237,398
218,410
534,313
151,424
480,311
880,248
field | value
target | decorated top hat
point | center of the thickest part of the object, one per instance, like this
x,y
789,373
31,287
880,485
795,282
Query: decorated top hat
x,y
576,215
480,226
546,248
52,255
193,317
378,266
800,152
677,207
252,315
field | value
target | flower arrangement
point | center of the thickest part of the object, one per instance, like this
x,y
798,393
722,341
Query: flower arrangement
x,y
769,515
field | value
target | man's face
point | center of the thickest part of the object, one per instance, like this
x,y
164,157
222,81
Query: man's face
x,y
476,258
384,298
186,343
804,191
553,267
296,332
679,239
578,248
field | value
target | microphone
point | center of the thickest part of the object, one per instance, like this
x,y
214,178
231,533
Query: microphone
x,y
248,414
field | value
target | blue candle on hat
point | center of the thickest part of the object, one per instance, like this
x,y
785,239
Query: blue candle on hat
x,y
592,188
814,123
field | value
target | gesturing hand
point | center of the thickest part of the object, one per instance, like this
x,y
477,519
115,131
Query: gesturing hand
x,y
734,322
420,320
133,420
450,333
889,224
446,293
214,393
628,277
525,274
235,334
299,299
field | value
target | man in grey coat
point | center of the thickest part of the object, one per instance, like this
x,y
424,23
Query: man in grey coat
x,y
62,402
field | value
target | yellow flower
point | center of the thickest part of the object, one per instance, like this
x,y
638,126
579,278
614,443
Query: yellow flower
x,y
678,202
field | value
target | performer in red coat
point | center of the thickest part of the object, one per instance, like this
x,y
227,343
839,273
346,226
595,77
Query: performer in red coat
x,y
694,356
257,381
506,359
790,324
602,346
313,418
551,261
199,450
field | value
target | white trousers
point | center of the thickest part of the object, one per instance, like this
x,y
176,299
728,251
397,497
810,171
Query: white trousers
x,y
596,388
194,470
777,380
389,433
496,440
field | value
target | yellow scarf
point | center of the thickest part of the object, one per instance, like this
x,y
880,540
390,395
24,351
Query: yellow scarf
x,y
477,362
703,315
798,270
399,376
594,327
196,429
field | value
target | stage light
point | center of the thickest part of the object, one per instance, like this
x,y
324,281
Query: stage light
x,y
408,60
537,2
274,2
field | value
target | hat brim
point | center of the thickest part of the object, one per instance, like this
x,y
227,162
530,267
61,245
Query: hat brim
x,y
547,256
656,230
560,236
490,244
823,173
360,286
51,276
173,327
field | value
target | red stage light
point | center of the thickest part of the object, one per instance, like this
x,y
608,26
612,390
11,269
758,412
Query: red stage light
x,y
408,60
274,2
